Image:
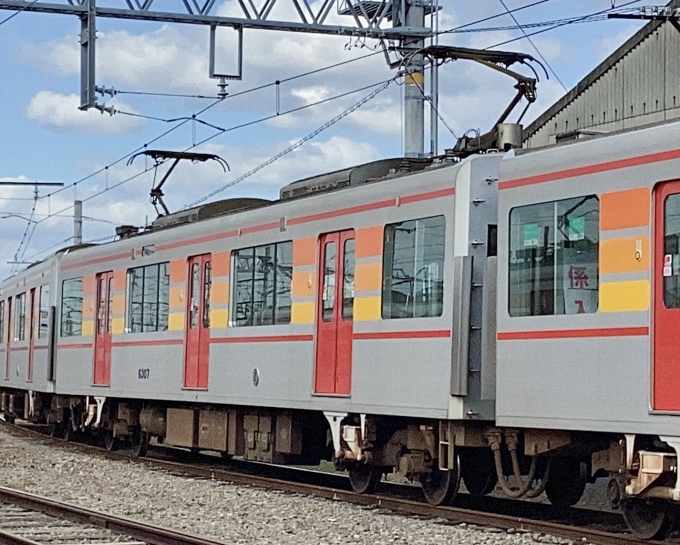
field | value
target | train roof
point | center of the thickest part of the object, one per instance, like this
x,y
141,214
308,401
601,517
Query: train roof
x,y
355,176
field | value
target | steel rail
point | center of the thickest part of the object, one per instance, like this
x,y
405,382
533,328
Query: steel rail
x,y
151,534
453,515
11,539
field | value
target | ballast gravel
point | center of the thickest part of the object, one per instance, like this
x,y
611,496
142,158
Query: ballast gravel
x,y
230,513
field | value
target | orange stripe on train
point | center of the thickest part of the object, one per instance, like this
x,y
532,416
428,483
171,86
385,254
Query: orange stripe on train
x,y
625,209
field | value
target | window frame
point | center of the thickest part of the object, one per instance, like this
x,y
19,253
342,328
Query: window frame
x,y
2,322
162,318
666,290
20,317
62,314
42,291
278,314
554,278
386,289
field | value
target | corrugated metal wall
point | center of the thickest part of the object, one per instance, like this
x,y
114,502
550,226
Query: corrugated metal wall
x,y
642,87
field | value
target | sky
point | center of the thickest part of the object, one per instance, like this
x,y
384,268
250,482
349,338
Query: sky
x,y
45,138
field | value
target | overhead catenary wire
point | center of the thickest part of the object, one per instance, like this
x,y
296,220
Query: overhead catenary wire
x,y
533,45
130,154
459,28
295,146
254,89
219,133
184,120
8,18
539,24
489,18
428,99
44,250
266,85
278,114
567,23
30,226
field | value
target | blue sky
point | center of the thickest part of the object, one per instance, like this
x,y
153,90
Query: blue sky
x,y
44,137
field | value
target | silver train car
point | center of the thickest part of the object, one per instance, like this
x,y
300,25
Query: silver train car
x,y
505,318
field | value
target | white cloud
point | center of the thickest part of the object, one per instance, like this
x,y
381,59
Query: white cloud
x,y
129,204
310,95
60,113
174,59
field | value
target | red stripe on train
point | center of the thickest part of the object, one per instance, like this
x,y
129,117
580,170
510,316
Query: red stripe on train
x,y
377,335
263,339
573,333
592,169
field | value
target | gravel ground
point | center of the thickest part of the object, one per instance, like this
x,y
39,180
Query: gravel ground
x,y
231,513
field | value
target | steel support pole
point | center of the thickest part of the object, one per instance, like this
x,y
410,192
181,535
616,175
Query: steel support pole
x,y
434,109
88,36
78,222
434,88
414,86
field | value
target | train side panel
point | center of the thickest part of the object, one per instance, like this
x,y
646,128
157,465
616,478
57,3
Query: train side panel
x,y
25,357
394,361
588,365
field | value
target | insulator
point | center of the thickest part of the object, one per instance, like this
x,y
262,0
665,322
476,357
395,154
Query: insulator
x,y
222,86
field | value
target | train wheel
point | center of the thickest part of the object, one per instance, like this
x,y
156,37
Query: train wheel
x,y
140,443
110,442
440,487
565,484
479,475
478,472
648,519
364,478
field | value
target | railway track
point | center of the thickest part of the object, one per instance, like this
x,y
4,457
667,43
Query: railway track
x,y
28,519
579,525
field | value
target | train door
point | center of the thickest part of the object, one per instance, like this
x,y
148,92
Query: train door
x,y
197,333
666,271
335,314
102,340
31,334
9,336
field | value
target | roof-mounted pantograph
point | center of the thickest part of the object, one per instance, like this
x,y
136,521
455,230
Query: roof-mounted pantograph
x,y
160,157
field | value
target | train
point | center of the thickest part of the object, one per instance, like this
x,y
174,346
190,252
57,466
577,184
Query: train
x,y
504,320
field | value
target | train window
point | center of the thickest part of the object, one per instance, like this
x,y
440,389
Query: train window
x,y
72,308
20,318
671,282
2,322
262,285
553,262
328,282
148,298
284,268
348,284
43,318
413,268
207,284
